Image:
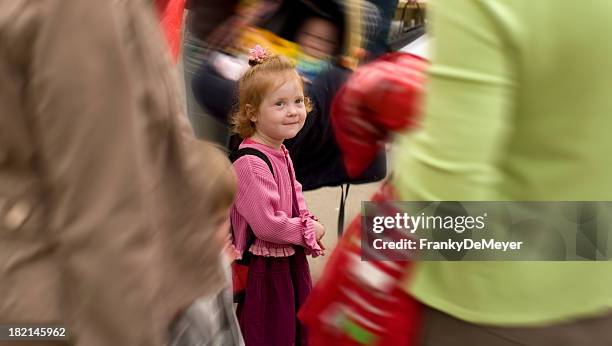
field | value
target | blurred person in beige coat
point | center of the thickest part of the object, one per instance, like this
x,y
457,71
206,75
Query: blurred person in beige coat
x,y
105,211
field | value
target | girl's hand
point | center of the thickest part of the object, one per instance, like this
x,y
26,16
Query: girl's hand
x,y
321,245
319,229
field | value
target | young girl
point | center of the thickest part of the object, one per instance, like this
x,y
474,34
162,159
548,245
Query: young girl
x,y
269,205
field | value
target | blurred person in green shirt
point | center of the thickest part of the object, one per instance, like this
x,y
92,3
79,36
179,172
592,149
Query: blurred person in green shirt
x,y
518,109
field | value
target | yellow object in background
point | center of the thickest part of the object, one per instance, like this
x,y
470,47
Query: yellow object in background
x,y
274,43
308,66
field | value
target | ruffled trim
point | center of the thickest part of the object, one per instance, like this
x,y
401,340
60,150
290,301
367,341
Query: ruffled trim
x,y
310,237
306,213
266,249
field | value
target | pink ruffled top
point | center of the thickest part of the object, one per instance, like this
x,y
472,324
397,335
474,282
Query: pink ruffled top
x,y
264,201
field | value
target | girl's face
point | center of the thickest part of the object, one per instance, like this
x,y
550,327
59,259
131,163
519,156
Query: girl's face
x,y
281,114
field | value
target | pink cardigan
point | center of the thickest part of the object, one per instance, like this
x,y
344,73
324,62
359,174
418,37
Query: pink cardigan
x,y
264,202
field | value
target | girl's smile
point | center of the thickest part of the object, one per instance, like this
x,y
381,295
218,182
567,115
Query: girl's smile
x,y
281,114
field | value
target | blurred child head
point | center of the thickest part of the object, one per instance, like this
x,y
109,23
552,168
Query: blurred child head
x,y
318,37
272,104
220,182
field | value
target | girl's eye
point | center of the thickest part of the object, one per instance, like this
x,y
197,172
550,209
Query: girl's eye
x,y
298,101
279,103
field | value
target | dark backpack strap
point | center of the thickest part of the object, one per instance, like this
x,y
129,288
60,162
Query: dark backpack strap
x,y
235,155
343,197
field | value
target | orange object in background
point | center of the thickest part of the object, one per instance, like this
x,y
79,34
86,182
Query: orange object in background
x,y
171,20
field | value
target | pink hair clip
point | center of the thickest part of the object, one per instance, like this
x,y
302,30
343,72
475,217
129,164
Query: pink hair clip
x,y
257,55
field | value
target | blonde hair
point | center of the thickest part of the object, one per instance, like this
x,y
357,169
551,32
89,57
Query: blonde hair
x,y
254,84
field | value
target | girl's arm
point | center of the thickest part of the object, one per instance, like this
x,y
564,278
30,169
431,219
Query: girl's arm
x,y
258,202
302,206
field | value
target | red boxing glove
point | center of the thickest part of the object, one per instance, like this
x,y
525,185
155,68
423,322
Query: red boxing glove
x,y
379,98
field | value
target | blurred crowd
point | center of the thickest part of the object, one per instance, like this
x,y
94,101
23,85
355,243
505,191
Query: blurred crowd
x,y
154,155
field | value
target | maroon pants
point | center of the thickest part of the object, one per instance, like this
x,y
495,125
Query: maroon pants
x,y
276,289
